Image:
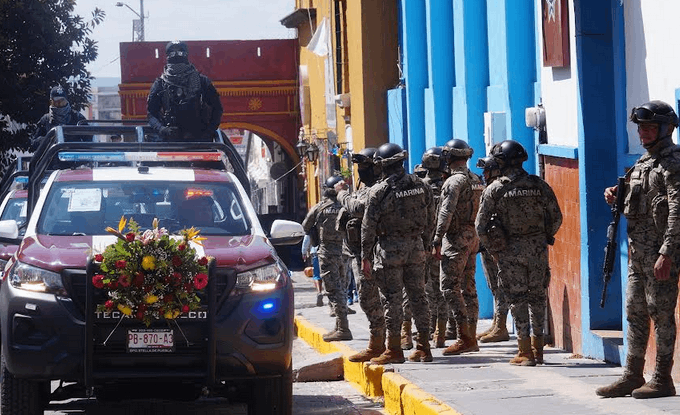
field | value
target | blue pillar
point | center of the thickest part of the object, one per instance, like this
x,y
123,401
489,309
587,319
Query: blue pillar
x,y
414,46
438,99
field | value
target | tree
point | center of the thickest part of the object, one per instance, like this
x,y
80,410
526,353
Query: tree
x,y
42,44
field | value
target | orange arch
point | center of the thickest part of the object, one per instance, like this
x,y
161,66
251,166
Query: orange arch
x,y
266,132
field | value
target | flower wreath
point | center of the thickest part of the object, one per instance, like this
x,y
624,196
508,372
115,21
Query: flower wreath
x,y
149,275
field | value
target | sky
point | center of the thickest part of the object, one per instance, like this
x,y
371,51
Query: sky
x,y
168,20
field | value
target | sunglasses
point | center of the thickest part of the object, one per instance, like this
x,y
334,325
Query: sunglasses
x,y
59,102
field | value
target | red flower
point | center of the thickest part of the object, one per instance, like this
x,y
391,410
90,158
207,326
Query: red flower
x,y
109,304
200,281
141,307
130,236
188,287
121,264
176,278
140,315
113,285
181,247
98,281
176,261
99,257
148,288
203,261
139,280
168,298
185,308
125,280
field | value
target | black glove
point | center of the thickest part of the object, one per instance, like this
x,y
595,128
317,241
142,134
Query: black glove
x,y
169,133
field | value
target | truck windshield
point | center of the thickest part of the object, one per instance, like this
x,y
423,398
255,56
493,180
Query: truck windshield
x,y
87,208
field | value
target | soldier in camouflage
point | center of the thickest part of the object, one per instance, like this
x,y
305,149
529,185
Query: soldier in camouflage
x,y
518,218
369,297
323,217
456,243
498,331
392,249
652,209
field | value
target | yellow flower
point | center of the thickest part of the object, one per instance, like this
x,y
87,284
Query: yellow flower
x,y
124,309
171,314
121,224
149,263
150,299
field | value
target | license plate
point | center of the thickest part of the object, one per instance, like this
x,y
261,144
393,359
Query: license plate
x,y
150,341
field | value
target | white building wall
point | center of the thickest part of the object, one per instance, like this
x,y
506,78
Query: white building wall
x,y
652,45
559,89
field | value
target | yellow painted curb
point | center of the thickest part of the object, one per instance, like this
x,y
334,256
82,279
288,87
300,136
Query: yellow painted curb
x,y
401,397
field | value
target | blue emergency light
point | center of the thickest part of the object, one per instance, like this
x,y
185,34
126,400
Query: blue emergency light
x,y
108,156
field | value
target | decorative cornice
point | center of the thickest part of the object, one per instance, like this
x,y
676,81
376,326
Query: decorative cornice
x,y
295,19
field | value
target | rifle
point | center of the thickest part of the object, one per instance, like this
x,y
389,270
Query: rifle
x,y
610,249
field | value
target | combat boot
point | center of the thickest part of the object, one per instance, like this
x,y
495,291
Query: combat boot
x,y
661,384
451,328
406,336
376,346
525,356
499,332
422,353
466,341
393,353
489,330
440,334
537,348
631,380
340,333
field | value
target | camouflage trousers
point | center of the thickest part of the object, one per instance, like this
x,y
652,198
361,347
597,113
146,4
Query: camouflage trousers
x,y
500,304
334,279
523,276
369,299
648,298
457,277
399,266
438,307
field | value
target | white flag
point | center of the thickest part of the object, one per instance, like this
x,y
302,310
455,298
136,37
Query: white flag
x,y
320,40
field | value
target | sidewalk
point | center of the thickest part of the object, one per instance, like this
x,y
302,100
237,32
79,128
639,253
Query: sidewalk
x,y
481,383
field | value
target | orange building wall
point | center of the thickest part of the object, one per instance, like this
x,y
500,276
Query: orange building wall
x,y
564,293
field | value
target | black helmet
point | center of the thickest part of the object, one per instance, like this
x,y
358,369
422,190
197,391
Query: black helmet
x,y
332,181
657,112
177,51
490,168
433,159
364,156
457,149
509,153
388,154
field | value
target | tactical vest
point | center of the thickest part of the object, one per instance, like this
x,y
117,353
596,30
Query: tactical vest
x,y
326,219
466,210
521,206
182,110
404,205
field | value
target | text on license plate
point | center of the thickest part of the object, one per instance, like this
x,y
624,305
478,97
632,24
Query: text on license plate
x,y
150,341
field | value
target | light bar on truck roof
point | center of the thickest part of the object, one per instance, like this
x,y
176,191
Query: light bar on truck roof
x,y
141,156
21,179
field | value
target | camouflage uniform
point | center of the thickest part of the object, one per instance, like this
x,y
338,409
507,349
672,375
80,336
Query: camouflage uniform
x,y
501,305
369,296
324,215
652,208
396,218
528,216
456,231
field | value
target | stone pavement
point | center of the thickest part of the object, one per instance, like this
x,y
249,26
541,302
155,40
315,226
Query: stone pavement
x,y
482,383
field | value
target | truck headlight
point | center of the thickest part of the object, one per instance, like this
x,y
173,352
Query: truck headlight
x,y
30,278
266,278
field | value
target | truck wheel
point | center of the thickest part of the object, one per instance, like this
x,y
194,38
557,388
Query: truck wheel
x,y
18,396
273,396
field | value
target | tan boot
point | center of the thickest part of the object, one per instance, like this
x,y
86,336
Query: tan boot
x,y
466,341
406,336
440,334
631,380
525,356
537,348
489,330
393,353
376,346
340,333
499,332
422,353
661,384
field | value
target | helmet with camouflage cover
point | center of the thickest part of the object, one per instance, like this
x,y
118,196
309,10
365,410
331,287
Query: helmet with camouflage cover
x,y
433,159
457,149
389,154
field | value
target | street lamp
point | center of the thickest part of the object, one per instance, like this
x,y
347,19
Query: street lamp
x,y
140,32
312,152
301,148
